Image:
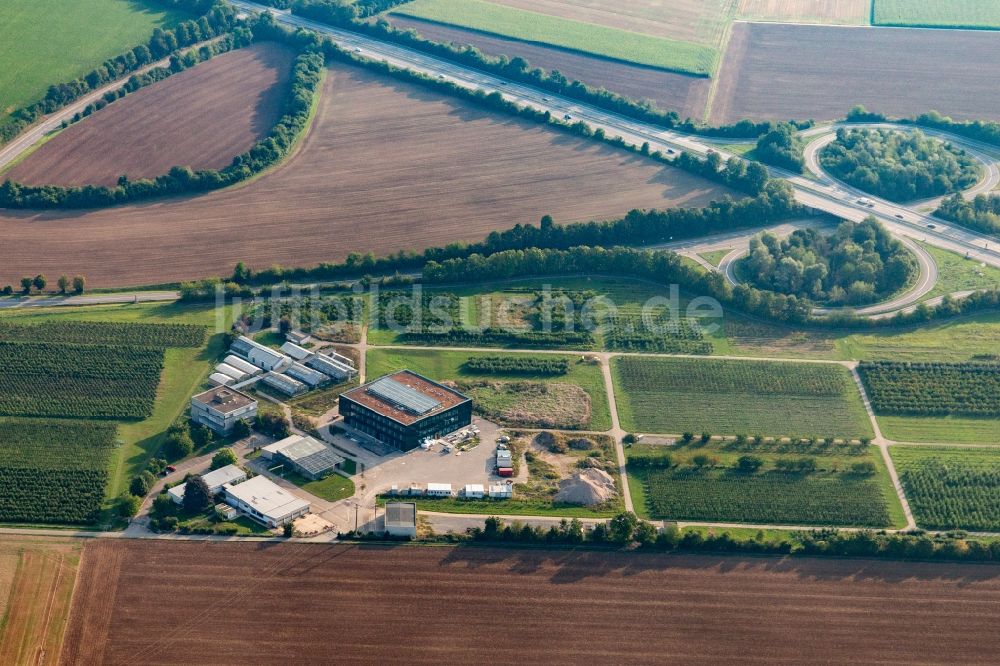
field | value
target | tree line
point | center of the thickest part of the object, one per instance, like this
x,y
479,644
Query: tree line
x,y
214,18
978,130
981,214
77,284
782,147
307,72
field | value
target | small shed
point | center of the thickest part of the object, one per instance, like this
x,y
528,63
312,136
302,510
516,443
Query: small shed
x,y
501,491
474,491
298,338
401,519
439,489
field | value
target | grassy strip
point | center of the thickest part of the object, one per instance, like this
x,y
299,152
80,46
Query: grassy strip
x,y
669,54
511,507
956,273
940,429
973,14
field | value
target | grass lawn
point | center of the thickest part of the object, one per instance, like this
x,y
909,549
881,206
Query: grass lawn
x,y
951,488
43,42
677,395
956,273
512,507
715,257
940,429
953,341
333,488
449,365
938,13
831,495
670,54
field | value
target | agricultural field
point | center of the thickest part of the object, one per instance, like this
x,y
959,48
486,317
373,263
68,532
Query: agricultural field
x,y
451,365
561,31
136,601
824,71
237,96
37,578
938,14
43,42
687,95
796,483
933,389
951,488
830,12
677,395
383,157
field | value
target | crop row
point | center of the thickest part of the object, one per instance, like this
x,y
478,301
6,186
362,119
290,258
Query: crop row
x,y
933,389
770,497
106,333
630,332
517,365
61,445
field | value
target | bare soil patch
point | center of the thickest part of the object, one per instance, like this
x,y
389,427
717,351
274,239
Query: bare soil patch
x,y
201,118
778,72
224,603
387,166
687,95
531,404
807,11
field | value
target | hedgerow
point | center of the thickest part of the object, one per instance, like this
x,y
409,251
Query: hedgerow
x,y
105,333
517,364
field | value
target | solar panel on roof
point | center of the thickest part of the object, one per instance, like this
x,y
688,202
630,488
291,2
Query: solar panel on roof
x,y
402,396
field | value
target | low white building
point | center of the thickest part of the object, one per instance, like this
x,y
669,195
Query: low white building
x,y
230,371
401,519
502,491
439,489
248,368
298,337
265,501
215,480
474,491
259,355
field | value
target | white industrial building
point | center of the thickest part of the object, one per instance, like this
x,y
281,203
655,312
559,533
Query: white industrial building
x,y
266,502
474,491
298,337
401,519
248,369
215,480
284,384
502,491
308,376
259,355
307,456
439,489
295,351
221,408
230,371
220,379
339,358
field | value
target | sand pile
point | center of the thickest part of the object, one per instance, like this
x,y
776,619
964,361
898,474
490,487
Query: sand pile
x,y
589,487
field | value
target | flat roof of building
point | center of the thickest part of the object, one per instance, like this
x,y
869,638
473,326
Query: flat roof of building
x,y
400,514
407,397
224,400
268,498
310,454
214,480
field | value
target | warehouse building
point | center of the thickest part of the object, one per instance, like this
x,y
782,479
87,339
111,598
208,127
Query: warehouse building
x,y
220,379
266,502
405,408
284,384
298,337
221,408
259,355
230,371
306,456
401,519
248,369
295,351
328,366
215,480
308,376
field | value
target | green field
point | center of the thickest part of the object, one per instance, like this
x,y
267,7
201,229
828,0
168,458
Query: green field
x,y
940,429
448,365
511,507
717,492
677,395
951,488
956,273
591,38
184,371
43,42
938,13
953,341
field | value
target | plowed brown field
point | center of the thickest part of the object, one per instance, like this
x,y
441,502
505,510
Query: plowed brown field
x,y
231,603
687,95
201,118
779,72
387,166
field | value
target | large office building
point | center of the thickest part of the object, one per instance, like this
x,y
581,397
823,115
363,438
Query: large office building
x,y
405,408
221,408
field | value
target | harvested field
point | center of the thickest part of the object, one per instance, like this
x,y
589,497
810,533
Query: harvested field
x,y
235,98
779,72
385,168
687,95
185,602
848,12
36,588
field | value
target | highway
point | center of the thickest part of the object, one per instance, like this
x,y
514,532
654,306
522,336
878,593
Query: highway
x,y
826,196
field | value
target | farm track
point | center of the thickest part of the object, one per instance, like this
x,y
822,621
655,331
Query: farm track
x,y
236,97
383,169
562,606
